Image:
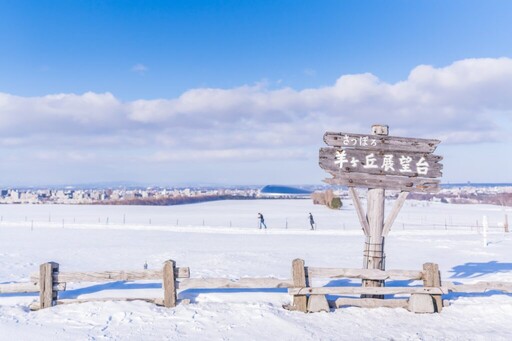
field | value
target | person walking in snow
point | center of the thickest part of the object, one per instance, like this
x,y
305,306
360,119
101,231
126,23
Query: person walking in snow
x,y
311,221
262,221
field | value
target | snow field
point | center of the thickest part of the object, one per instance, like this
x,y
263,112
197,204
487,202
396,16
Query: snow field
x,y
218,250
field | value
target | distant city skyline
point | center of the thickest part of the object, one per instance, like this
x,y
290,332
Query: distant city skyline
x,y
240,93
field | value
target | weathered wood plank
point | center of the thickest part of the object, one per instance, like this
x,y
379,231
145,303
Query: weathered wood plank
x,y
11,288
47,294
169,284
380,162
158,301
385,181
360,211
370,303
219,283
432,278
372,142
479,287
367,291
376,274
300,301
117,275
397,206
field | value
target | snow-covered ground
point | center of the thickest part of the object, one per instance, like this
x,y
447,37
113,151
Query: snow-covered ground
x,y
221,239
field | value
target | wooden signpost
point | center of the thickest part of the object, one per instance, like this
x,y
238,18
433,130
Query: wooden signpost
x,y
379,162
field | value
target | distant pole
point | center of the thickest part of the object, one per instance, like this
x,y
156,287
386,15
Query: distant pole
x,y
177,222
230,225
485,228
32,226
505,224
203,222
124,219
149,221
286,224
107,221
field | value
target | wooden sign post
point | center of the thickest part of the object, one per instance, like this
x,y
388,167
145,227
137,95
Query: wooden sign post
x,y
379,162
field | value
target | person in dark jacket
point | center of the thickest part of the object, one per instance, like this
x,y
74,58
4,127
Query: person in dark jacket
x,y
262,221
311,221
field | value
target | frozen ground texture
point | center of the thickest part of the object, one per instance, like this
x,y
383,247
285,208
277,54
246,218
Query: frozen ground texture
x,y
220,239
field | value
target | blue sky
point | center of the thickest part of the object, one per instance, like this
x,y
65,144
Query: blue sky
x,y
240,92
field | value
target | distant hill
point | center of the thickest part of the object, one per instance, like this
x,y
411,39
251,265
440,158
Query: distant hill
x,y
277,189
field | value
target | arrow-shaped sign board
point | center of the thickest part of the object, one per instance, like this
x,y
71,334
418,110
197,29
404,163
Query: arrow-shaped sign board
x,y
376,161
398,163
378,142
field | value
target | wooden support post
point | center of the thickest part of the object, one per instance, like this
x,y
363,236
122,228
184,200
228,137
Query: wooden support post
x,y
47,294
374,257
394,213
360,211
300,302
169,284
432,278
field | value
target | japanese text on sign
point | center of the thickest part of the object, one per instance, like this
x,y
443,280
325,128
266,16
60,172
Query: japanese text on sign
x,y
404,164
360,141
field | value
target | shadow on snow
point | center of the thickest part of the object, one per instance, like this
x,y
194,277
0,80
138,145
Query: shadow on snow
x,y
471,270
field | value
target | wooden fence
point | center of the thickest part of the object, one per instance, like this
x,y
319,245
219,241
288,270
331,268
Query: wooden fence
x,y
305,297
422,299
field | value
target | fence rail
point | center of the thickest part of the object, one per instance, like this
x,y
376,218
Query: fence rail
x,y
363,273
305,297
109,276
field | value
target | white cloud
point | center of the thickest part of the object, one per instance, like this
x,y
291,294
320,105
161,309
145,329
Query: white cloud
x,y
141,69
247,154
59,112
467,101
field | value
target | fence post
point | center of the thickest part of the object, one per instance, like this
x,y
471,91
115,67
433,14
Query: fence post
x,y
300,302
485,228
432,278
169,284
505,224
47,294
